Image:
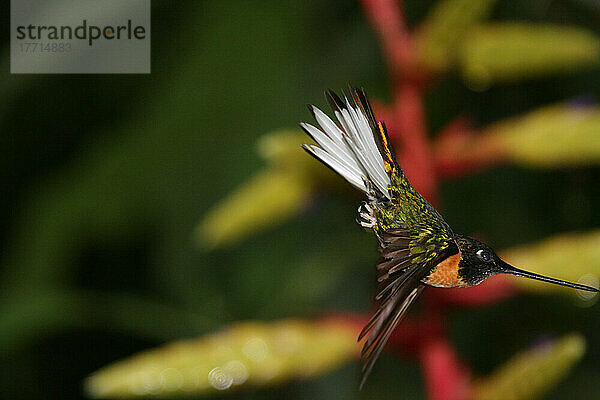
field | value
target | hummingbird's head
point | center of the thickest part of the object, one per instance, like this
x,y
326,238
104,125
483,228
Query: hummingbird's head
x,y
479,261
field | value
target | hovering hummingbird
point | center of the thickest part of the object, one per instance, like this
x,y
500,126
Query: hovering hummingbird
x,y
418,248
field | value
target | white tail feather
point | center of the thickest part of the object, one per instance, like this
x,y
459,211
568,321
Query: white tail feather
x,y
350,151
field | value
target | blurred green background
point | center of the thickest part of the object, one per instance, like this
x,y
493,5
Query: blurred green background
x,y
105,177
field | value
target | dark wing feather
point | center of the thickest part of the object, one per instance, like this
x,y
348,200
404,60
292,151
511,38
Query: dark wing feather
x,y
400,284
382,331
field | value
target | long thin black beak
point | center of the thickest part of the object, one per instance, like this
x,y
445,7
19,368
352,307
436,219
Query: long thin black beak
x,y
509,269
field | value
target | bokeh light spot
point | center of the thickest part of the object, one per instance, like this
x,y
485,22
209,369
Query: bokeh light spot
x,y
219,379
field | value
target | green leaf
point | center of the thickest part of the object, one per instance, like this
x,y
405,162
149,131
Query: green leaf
x,y
502,52
282,148
443,30
572,256
244,354
554,136
269,196
531,374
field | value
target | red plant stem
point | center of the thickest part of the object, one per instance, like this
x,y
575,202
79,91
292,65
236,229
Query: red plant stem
x,y
407,114
387,18
459,149
409,125
446,377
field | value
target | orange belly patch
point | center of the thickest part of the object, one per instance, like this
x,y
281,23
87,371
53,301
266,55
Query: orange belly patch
x,y
445,274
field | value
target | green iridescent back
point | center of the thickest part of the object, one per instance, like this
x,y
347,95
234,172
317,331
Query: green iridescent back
x,y
408,210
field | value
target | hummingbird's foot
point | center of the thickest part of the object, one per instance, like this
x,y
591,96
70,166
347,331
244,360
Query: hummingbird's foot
x,y
366,217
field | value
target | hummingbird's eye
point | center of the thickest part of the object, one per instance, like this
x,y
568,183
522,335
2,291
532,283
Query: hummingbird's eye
x,y
484,255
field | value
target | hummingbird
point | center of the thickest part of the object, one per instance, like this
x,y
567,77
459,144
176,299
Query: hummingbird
x,y
418,248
